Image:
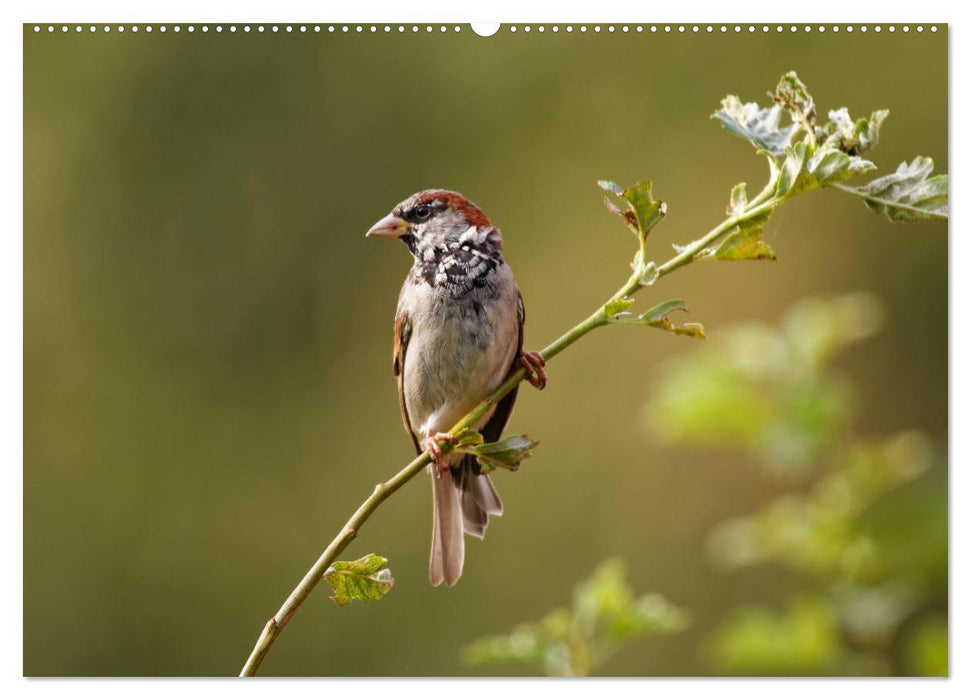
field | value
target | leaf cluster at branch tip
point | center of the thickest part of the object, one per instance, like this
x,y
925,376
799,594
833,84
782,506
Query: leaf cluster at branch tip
x,y
794,97
805,155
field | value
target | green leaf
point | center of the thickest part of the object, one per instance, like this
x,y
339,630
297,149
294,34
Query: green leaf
x,y
643,211
647,210
663,309
743,244
467,437
617,306
692,330
367,579
790,170
805,169
852,137
830,165
657,317
909,194
507,453
737,200
759,126
793,94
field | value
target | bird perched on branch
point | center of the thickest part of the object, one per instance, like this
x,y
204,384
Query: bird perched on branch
x,y
458,333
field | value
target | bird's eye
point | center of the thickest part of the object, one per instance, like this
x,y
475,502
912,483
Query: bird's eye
x,y
423,211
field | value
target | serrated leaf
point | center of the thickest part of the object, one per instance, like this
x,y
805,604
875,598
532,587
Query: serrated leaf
x,y
663,309
647,210
737,200
616,306
507,453
743,244
759,126
852,137
909,194
823,167
643,211
794,96
830,165
367,579
790,170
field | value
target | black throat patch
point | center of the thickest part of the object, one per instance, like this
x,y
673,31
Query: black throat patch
x,y
458,269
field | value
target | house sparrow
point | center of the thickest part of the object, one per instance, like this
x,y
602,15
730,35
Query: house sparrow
x,y
458,333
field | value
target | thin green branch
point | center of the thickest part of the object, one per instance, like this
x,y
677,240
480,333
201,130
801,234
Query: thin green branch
x,y
384,490
276,623
690,252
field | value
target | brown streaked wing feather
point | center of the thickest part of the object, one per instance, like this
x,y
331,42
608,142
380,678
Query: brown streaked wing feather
x,y
402,334
492,430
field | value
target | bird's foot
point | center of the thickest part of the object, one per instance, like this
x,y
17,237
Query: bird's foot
x,y
534,364
435,451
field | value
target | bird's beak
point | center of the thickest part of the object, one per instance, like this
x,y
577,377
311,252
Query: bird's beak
x,y
390,226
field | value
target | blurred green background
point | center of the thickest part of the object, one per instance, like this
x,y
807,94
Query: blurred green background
x,y
208,390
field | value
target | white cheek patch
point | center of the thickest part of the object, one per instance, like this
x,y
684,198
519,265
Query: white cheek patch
x,y
471,235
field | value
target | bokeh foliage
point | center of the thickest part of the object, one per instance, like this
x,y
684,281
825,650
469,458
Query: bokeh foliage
x,y
575,641
863,520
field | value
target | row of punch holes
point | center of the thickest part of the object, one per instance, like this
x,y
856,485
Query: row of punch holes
x,y
414,28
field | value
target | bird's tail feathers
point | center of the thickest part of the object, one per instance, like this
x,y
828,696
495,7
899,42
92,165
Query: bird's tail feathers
x,y
462,503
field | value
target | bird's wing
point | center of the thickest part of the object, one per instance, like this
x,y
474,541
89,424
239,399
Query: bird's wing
x,y
402,334
492,430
